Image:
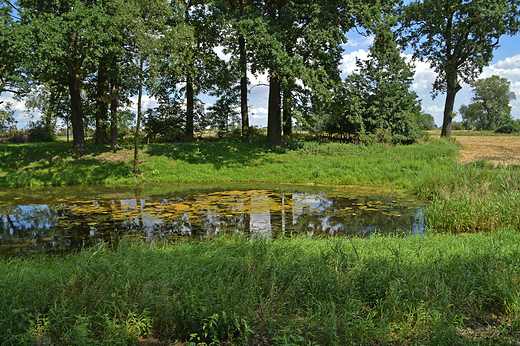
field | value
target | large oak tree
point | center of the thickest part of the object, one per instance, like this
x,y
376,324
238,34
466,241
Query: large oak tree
x,y
62,42
457,38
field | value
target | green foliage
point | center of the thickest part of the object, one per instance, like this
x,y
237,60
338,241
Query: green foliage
x,y
7,120
508,125
12,78
457,38
456,125
296,291
223,113
51,101
40,132
377,105
162,124
490,104
425,121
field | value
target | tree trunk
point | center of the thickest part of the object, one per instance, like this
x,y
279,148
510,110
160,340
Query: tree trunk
x,y
49,124
452,89
287,113
243,90
139,99
274,121
190,107
113,117
78,140
100,136
243,81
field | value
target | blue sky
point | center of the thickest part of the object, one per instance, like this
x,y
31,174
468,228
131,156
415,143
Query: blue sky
x,y
506,64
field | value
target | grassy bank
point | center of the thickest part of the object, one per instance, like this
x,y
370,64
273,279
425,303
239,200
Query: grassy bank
x,y
225,161
431,290
470,197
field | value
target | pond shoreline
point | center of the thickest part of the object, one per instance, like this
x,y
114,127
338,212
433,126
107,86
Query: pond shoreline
x,y
64,219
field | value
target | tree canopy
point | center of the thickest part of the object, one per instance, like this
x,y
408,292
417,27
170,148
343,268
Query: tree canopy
x,y
96,54
489,105
457,38
376,101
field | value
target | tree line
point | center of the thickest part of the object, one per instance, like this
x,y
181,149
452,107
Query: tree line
x,y
83,59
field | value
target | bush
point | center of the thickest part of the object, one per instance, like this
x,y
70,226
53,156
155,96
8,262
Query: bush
x,y
457,126
507,126
35,132
39,132
162,127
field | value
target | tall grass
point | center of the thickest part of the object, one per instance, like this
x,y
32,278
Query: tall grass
x,y
225,161
475,196
430,290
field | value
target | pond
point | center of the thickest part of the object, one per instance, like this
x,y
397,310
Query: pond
x,y
64,219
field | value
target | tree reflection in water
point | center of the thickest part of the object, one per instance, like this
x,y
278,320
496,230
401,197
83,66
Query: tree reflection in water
x,y
63,224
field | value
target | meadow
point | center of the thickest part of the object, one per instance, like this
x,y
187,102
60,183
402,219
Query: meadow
x,y
457,285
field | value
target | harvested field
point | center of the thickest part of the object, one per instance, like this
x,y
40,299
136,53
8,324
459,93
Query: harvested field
x,y
498,149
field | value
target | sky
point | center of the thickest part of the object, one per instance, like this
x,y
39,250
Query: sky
x,y
506,64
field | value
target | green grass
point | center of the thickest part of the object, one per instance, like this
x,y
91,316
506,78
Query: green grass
x,y
225,161
427,290
439,289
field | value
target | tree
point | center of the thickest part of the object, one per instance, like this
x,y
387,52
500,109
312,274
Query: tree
x,y
51,101
63,42
457,38
7,120
12,78
425,121
296,41
490,103
379,102
150,26
235,14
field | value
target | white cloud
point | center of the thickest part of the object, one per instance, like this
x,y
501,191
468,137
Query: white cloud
x,y
424,76
348,62
146,102
435,109
362,41
258,113
508,63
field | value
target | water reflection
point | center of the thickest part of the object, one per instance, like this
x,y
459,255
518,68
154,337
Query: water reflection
x,y
61,220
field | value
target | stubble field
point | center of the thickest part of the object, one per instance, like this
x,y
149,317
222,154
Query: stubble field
x,y
497,149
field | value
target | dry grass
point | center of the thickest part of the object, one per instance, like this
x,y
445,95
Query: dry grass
x,y
501,150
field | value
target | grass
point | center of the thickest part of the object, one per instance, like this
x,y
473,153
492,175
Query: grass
x,y
470,197
428,290
437,289
224,161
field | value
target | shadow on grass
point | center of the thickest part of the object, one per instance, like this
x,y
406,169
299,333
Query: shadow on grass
x,y
219,153
58,164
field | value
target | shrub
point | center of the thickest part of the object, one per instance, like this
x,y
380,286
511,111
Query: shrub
x,y
508,126
40,132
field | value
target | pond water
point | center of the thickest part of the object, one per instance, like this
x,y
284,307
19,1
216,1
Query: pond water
x,y
61,220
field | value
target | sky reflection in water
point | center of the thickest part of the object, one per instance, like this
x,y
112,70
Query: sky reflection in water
x,y
65,219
